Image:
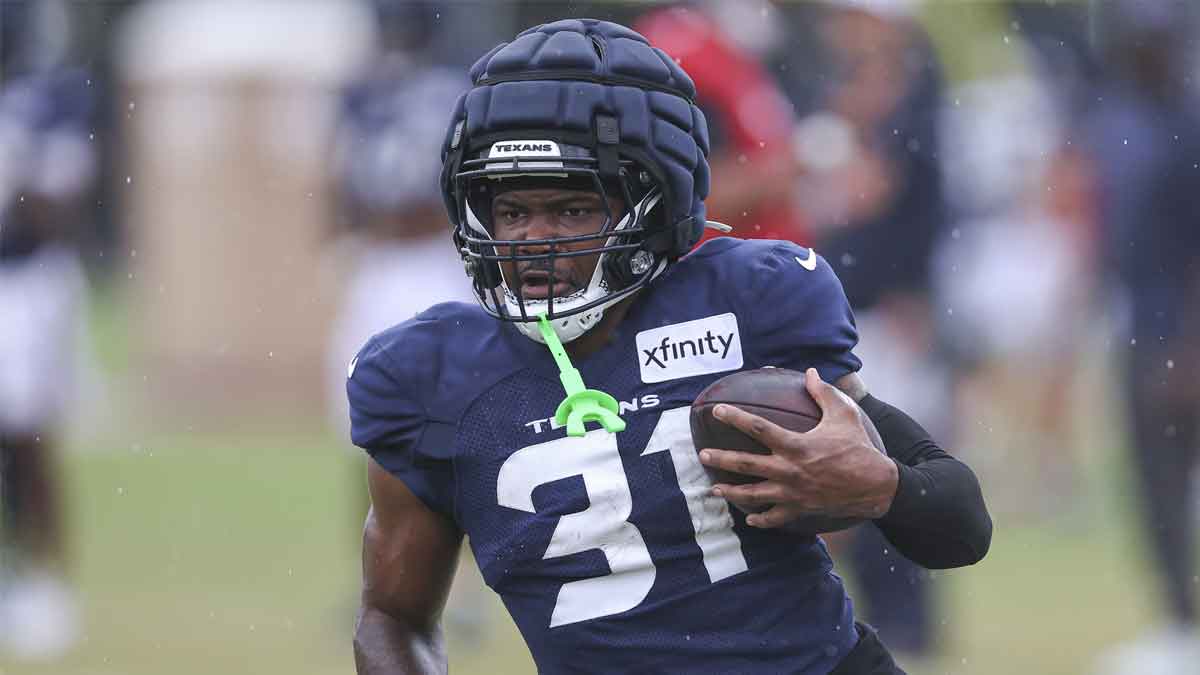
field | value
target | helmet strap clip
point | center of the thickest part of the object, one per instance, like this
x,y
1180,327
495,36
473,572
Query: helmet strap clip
x,y
608,135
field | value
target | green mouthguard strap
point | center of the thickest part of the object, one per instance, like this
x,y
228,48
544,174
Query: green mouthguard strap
x,y
581,404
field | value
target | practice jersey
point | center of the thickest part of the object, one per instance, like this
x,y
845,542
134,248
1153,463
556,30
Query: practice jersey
x,y
609,550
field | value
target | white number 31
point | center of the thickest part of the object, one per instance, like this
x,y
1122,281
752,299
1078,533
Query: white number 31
x,y
604,523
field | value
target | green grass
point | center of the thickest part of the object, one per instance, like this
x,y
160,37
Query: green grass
x,y
1045,602
202,555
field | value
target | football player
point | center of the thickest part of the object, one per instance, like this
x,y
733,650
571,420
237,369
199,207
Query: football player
x,y
47,168
575,174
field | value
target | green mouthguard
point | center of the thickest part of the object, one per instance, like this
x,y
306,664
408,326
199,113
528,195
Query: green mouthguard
x,y
581,404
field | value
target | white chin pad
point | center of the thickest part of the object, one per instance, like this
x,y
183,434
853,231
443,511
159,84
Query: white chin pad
x,y
567,328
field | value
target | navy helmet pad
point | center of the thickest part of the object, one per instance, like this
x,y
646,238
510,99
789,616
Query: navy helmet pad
x,y
554,79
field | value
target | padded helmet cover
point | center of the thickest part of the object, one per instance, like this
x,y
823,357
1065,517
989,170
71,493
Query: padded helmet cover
x,y
553,80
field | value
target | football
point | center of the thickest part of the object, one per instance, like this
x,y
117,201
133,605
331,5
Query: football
x,y
777,394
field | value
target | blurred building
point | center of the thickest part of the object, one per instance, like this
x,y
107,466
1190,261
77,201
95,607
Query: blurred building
x,y
227,112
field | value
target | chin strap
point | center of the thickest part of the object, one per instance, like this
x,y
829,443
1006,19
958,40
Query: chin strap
x,y
581,404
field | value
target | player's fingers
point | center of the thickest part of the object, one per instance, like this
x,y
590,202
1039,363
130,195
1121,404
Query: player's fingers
x,y
828,397
745,463
776,516
836,406
751,494
760,429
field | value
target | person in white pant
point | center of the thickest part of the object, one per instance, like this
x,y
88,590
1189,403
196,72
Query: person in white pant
x,y
47,166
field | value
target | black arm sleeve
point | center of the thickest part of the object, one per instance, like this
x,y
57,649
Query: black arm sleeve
x,y
938,518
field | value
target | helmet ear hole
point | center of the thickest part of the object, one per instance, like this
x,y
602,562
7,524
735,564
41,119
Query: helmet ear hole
x,y
488,270
484,272
617,268
490,273
625,267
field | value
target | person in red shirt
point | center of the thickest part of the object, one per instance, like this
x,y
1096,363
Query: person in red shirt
x,y
750,125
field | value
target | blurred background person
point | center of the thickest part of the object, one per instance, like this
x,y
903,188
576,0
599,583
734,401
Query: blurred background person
x,y
873,188
1144,135
1016,292
1013,274
47,168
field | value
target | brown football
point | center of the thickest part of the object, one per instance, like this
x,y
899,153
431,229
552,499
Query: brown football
x,y
777,394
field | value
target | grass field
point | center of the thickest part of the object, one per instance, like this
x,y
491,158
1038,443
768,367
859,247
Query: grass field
x,y
238,553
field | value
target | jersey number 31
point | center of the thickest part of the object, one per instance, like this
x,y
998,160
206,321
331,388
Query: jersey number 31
x,y
604,523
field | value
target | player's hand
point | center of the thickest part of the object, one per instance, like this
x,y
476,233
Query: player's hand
x,y
834,469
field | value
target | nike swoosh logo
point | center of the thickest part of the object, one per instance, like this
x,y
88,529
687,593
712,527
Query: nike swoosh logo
x,y
810,263
350,370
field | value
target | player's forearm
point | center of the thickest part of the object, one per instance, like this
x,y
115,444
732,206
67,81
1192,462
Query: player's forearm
x,y
938,517
385,645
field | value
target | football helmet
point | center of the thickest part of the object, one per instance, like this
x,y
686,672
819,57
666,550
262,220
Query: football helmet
x,y
585,105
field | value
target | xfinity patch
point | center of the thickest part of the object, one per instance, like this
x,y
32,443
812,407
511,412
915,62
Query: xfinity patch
x,y
525,150
709,345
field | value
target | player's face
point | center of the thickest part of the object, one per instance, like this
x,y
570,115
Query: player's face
x,y
549,213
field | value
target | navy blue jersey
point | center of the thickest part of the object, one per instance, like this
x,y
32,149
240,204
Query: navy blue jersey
x,y
609,550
